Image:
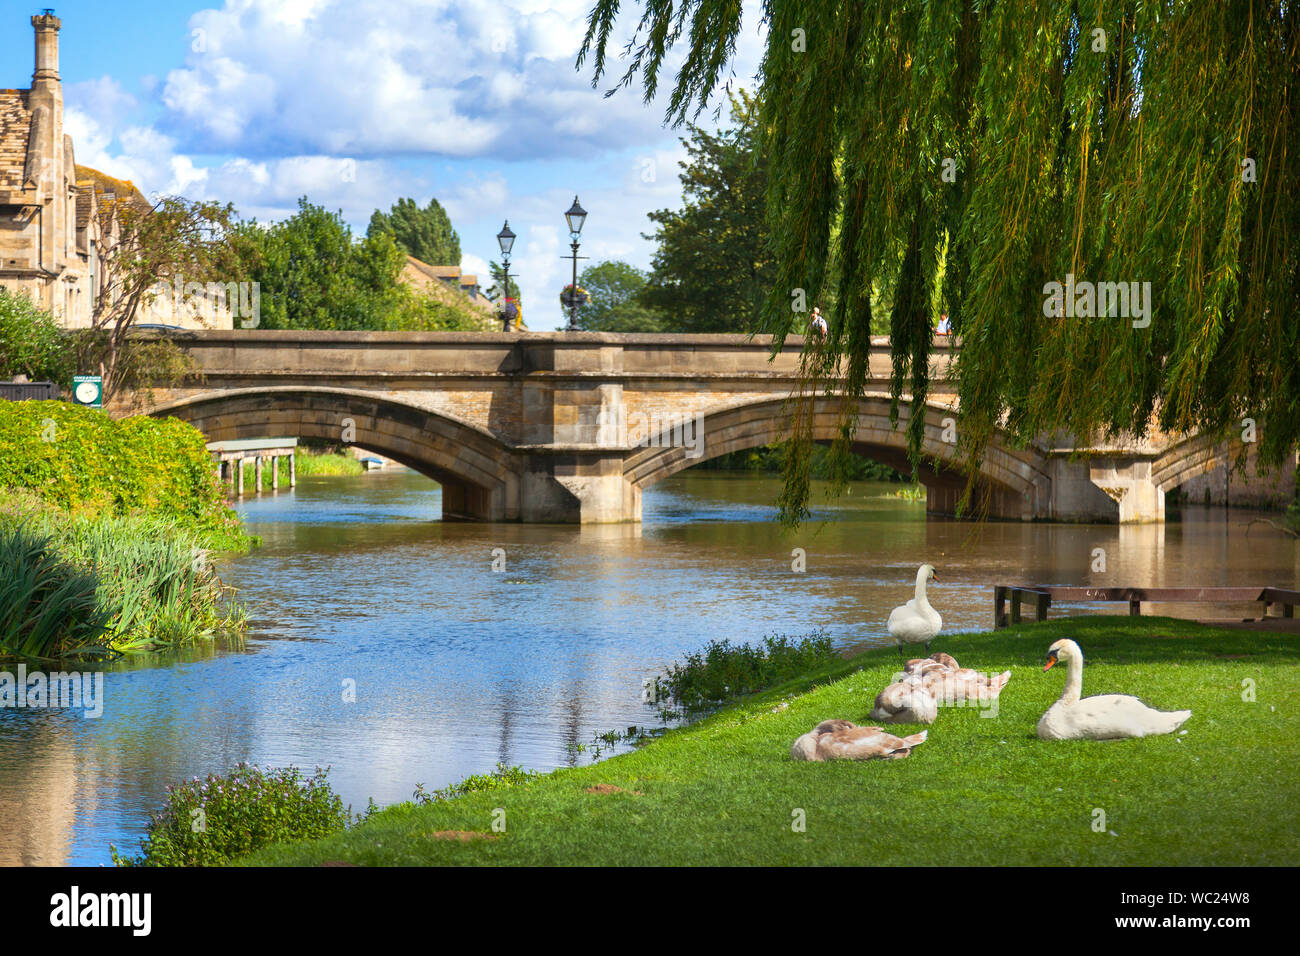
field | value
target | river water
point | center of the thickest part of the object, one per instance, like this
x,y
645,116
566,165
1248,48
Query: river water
x,y
399,650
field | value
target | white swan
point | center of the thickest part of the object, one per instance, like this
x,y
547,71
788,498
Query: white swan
x,y
916,622
1108,717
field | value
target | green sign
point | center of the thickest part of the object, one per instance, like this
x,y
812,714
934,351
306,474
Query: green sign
x,y
88,390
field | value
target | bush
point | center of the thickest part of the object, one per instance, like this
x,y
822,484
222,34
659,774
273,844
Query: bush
x,y
723,671
31,342
80,459
214,821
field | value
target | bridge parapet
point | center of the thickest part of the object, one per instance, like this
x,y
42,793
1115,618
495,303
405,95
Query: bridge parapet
x,y
556,426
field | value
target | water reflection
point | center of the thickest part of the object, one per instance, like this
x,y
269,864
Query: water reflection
x,y
456,667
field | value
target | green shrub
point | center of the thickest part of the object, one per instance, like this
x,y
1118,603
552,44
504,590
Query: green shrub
x,y
723,671
49,606
31,342
80,459
214,821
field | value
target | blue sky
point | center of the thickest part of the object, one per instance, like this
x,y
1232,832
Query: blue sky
x,y
356,103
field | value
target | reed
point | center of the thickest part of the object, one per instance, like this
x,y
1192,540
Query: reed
x,y
94,584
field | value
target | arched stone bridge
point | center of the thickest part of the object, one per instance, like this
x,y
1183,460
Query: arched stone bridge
x,y
565,427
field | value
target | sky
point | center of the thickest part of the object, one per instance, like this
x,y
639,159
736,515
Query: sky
x,y
356,103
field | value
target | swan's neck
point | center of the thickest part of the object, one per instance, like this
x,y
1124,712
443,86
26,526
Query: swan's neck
x,y
1073,681
922,601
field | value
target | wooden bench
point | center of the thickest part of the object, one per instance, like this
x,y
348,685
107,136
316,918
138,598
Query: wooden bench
x,y
1042,598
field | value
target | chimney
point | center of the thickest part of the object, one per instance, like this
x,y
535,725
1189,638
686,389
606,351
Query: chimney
x,y
47,50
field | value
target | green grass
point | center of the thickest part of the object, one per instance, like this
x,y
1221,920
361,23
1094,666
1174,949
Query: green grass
x,y
980,791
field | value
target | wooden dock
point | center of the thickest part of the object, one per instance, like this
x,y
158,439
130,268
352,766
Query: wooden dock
x,y
1042,598
231,455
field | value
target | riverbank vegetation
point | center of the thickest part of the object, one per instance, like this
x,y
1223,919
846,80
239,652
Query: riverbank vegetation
x,y
106,534
981,791
241,811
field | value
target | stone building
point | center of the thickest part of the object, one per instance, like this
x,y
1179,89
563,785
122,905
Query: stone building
x,y
59,221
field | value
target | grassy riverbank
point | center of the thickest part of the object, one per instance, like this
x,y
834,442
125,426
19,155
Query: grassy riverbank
x,y
106,533
980,791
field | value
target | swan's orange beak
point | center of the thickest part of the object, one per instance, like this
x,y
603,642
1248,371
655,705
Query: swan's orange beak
x,y
1051,659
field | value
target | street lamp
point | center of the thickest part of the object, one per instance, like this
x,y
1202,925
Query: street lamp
x,y
575,217
506,240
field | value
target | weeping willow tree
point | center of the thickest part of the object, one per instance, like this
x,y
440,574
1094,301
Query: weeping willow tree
x,y
968,154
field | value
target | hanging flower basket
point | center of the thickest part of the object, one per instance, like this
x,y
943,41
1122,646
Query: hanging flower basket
x,y
569,299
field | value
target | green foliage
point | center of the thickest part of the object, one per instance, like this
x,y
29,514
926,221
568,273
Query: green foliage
x,y
712,269
769,459
424,233
49,608
142,582
616,289
502,778
31,342
723,672
314,276
80,459
212,821
414,311
958,155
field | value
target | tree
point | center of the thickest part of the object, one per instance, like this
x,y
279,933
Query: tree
x,y
616,305
424,233
148,251
712,270
1025,145
313,275
31,342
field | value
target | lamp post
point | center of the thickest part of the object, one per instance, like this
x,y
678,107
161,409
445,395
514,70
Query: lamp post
x,y
575,217
506,240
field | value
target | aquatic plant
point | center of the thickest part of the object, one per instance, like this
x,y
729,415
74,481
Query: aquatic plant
x,y
214,820
724,671
129,583
49,606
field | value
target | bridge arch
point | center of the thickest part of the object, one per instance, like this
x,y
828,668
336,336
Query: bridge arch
x,y
478,473
1012,483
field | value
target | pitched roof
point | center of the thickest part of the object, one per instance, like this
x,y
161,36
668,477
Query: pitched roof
x,y
121,189
15,130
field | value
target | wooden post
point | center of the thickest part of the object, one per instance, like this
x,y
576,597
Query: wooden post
x,y
1015,605
1134,607
239,463
1042,601
257,469
999,606
275,472
293,470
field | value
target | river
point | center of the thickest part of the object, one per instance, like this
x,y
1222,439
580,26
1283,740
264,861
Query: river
x,y
384,644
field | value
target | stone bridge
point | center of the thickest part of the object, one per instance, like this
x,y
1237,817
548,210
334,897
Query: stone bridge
x,y
572,427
